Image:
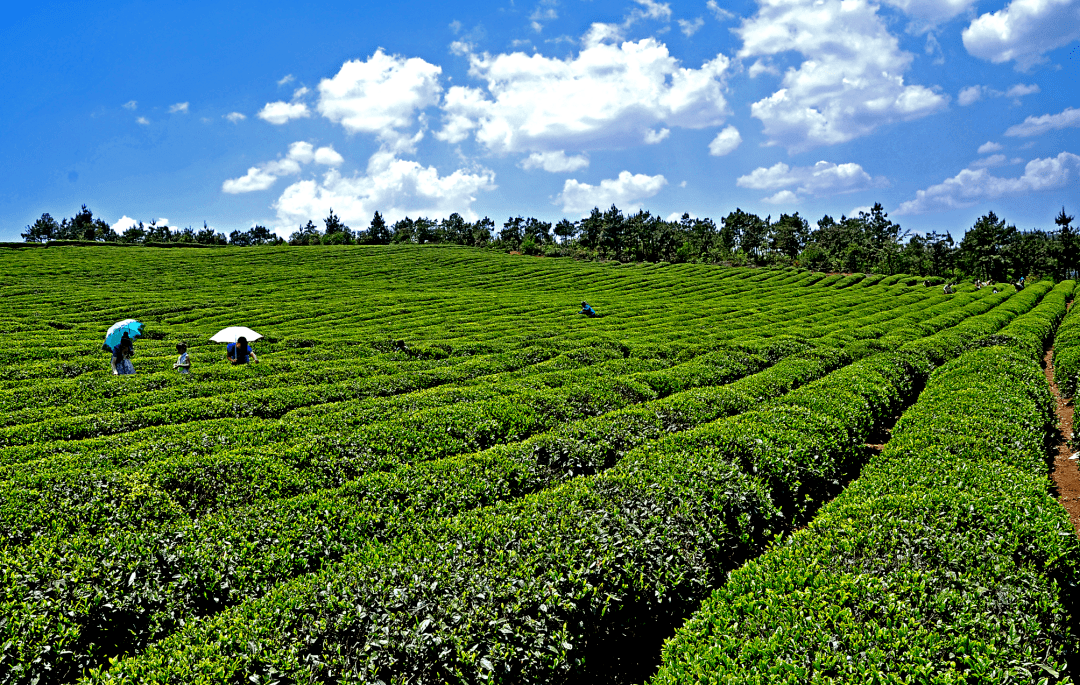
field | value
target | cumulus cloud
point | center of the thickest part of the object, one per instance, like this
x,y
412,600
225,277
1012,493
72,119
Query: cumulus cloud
x,y
235,117
689,28
609,96
143,121
626,191
1036,126
969,95
555,162
181,107
973,94
989,146
725,142
279,112
784,197
718,11
928,13
124,223
653,137
1023,31
988,162
264,175
395,187
380,95
971,186
824,178
130,104
851,81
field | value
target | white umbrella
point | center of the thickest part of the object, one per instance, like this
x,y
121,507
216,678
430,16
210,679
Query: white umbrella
x,y
230,334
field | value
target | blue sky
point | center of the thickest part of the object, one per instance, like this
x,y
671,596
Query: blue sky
x,y
273,113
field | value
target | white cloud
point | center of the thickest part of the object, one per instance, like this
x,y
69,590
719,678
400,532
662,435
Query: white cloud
x,y
130,104
626,191
649,9
328,156
824,178
143,120
718,11
599,33
279,112
761,66
555,162
608,96
395,187
973,94
971,186
928,13
725,142
545,11
162,222
851,80
653,137
235,117
1021,89
124,223
856,211
784,197
380,95
989,146
988,162
1036,126
969,95
254,179
689,28
264,175
1024,30
287,78
181,107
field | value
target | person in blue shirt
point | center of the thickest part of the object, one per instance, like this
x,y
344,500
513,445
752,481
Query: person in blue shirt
x,y
240,352
587,310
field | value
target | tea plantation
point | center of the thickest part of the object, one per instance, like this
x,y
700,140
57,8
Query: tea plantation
x,y
440,472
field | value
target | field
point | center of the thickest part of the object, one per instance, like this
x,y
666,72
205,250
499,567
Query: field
x,y
440,472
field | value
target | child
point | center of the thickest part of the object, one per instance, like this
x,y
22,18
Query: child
x,y
184,362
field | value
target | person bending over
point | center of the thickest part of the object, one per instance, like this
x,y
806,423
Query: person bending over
x,y
240,352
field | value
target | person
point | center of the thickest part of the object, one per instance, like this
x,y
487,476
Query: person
x,y
1020,284
183,363
121,359
240,352
587,310
948,289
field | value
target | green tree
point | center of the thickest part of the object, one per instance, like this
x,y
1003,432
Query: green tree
x,y
1069,246
566,230
308,234
481,231
789,235
612,233
512,232
378,233
44,229
402,231
454,229
984,249
592,227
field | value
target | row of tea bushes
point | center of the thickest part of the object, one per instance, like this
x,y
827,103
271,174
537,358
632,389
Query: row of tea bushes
x,y
541,588
1067,353
150,582
947,561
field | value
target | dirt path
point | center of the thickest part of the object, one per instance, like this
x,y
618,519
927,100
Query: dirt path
x,y
1065,472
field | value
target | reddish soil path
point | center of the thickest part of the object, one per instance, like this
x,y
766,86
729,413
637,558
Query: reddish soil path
x,y
1065,473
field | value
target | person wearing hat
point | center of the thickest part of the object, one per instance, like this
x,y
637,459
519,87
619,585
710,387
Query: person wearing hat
x,y
587,310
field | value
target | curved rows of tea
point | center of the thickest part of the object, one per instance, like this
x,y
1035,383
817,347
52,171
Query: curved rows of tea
x,y
539,588
408,396
946,561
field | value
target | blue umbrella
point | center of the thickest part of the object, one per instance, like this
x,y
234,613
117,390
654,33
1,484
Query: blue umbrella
x,y
130,326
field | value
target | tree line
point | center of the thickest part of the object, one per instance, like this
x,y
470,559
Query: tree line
x,y
869,242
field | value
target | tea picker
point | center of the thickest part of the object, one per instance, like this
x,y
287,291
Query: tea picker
x,y
587,310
